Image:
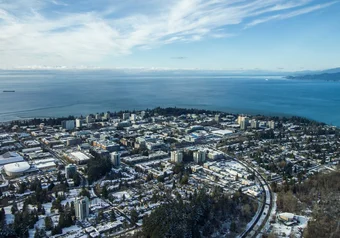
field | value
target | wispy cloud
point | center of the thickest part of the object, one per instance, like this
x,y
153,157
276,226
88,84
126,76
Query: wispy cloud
x,y
179,57
290,14
59,3
55,32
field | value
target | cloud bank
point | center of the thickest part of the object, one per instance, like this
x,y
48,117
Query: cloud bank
x,y
60,32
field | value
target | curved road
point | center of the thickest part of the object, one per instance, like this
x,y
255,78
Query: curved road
x,y
256,227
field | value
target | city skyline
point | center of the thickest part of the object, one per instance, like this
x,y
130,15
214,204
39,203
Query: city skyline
x,y
230,35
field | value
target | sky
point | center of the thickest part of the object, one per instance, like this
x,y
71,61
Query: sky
x,y
279,35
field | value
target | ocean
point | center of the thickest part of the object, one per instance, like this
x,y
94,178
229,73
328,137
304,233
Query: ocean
x,y
63,93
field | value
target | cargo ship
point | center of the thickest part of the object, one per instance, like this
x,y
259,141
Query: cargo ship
x,y
9,91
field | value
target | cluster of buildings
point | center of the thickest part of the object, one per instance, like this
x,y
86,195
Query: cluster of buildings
x,y
245,122
145,150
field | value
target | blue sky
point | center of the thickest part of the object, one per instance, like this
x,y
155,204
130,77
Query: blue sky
x,y
282,35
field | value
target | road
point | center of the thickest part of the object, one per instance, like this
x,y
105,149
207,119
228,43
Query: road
x,y
258,222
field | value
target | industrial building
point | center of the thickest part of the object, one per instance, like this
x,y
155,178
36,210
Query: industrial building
x,y
16,169
10,157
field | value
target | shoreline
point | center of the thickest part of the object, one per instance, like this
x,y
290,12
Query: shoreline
x,y
269,115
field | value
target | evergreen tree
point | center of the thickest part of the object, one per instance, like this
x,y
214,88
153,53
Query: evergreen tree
x,y
134,216
105,193
40,233
100,216
233,226
112,216
57,230
48,223
14,208
76,179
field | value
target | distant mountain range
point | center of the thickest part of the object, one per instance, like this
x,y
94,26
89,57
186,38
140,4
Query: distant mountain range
x,y
329,75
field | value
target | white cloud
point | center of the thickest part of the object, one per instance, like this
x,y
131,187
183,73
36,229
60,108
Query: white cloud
x,y
38,32
290,14
59,3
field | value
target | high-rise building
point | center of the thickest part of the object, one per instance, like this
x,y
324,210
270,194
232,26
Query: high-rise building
x,y
199,156
89,119
142,114
68,124
254,124
98,117
239,119
243,125
176,156
106,116
271,124
126,115
217,117
133,117
115,158
81,206
79,122
70,170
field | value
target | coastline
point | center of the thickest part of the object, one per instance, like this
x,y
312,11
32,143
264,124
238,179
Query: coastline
x,y
268,116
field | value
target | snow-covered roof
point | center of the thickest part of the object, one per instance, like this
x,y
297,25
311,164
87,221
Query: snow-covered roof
x,y
17,167
10,157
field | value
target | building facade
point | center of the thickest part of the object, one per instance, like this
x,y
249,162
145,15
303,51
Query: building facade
x,y
199,156
79,123
115,159
176,156
68,124
70,170
81,206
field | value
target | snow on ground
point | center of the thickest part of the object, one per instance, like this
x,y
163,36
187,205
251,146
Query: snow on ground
x,y
68,200
98,203
120,194
47,207
282,230
279,228
74,192
71,229
55,219
40,224
31,233
9,215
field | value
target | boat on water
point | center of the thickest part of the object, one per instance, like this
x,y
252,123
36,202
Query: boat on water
x,y
9,91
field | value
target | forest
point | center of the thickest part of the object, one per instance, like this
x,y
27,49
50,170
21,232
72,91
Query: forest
x,y
321,194
201,216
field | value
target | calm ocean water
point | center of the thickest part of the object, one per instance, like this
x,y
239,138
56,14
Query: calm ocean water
x,y
50,94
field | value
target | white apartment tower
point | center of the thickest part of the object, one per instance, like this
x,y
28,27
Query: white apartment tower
x,y
79,123
89,119
176,156
115,158
81,206
271,124
133,117
126,116
106,116
254,124
199,156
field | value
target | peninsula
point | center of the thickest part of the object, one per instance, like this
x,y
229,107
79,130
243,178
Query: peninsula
x,y
169,172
